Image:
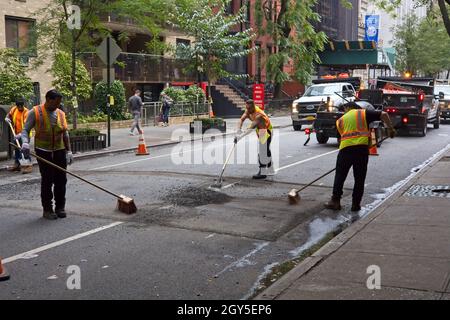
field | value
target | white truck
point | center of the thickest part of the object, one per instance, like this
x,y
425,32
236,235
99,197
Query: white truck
x,y
322,91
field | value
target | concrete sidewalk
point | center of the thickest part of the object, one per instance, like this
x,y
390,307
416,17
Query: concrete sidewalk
x,y
406,239
121,141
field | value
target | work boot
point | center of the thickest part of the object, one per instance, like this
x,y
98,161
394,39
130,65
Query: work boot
x,y
15,167
355,207
259,176
26,169
49,215
334,204
61,213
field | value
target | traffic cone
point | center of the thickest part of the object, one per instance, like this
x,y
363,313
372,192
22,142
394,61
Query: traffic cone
x,y
142,148
4,275
373,143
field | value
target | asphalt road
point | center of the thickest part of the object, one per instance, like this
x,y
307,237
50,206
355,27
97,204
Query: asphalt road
x,y
187,241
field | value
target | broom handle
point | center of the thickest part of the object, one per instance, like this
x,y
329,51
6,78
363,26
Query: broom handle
x,y
71,173
14,134
309,184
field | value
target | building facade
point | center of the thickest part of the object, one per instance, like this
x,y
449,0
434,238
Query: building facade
x,y
16,24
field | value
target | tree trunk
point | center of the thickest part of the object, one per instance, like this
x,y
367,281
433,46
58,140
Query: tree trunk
x,y
445,16
74,86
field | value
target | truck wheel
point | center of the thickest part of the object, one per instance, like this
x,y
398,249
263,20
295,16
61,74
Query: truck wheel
x,y
297,127
437,122
321,138
424,131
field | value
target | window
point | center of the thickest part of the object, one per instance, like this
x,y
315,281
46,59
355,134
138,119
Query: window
x,y
20,34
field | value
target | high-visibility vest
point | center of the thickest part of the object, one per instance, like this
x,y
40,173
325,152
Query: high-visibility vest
x,y
18,118
48,137
263,133
353,128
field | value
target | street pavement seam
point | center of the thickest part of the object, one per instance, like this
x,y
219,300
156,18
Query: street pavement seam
x,y
302,269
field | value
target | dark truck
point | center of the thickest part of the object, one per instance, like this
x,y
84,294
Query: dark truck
x,y
442,92
410,103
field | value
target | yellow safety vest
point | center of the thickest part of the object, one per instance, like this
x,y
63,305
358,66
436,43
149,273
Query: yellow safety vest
x,y
353,128
263,133
48,137
18,118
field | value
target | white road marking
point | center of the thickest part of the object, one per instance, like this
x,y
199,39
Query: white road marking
x,y
306,160
210,236
241,260
33,252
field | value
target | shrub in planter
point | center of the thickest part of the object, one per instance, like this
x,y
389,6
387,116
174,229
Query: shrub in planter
x,y
209,123
82,140
118,91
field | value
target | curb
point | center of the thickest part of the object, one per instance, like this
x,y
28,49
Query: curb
x,y
337,242
125,150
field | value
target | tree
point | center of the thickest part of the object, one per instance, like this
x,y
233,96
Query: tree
x,y
444,8
14,82
216,43
117,90
406,39
291,24
61,70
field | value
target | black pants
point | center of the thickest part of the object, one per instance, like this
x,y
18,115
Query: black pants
x,y
356,157
53,181
265,154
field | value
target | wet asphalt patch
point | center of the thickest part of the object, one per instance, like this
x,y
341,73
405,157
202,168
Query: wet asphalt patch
x,y
195,196
25,190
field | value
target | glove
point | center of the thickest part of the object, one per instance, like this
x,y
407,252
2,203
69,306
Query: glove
x,y
25,150
7,119
238,132
392,133
18,136
69,158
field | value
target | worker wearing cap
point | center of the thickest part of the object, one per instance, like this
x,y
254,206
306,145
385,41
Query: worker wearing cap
x,y
354,131
52,144
17,117
264,131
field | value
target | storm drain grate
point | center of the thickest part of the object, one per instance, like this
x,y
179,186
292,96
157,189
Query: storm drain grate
x,y
429,191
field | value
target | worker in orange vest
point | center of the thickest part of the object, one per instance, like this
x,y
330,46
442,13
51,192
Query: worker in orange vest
x,y
51,143
17,117
264,131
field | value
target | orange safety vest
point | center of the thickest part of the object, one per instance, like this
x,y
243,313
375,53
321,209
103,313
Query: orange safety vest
x,y
18,118
48,137
353,128
264,129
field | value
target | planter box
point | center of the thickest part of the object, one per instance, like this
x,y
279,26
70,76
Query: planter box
x,y
88,143
206,126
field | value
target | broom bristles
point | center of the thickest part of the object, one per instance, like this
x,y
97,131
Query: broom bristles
x,y
126,205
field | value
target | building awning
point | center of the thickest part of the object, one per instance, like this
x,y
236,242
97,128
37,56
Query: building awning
x,y
355,55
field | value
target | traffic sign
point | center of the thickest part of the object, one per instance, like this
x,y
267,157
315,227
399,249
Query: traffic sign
x,y
114,51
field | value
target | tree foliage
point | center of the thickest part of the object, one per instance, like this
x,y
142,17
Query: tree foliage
x,y
118,110
61,70
14,82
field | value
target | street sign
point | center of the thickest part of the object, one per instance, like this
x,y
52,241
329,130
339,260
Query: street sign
x,y
114,51
111,74
258,95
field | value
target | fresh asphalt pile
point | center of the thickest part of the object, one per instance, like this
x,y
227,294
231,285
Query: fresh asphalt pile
x,y
195,196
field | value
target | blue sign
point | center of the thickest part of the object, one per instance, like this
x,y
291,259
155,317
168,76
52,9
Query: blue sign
x,y
372,27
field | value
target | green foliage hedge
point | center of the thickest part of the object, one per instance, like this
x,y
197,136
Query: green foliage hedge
x,y
118,110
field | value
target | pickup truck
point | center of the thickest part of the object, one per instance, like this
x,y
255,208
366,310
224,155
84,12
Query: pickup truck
x,y
442,93
305,108
410,103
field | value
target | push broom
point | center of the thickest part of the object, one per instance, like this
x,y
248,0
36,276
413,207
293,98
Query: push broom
x,y
124,204
293,195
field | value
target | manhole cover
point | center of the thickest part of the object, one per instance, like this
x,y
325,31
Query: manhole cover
x,y
429,191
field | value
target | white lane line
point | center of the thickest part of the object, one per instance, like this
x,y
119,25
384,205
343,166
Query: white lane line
x,y
306,160
258,248
170,154
32,253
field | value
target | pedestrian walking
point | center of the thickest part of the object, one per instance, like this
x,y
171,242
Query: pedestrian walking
x,y
135,105
264,131
165,109
353,128
16,118
52,144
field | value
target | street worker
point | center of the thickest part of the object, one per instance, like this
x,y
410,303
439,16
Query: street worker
x,y
135,104
16,118
52,144
353,128
264,131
